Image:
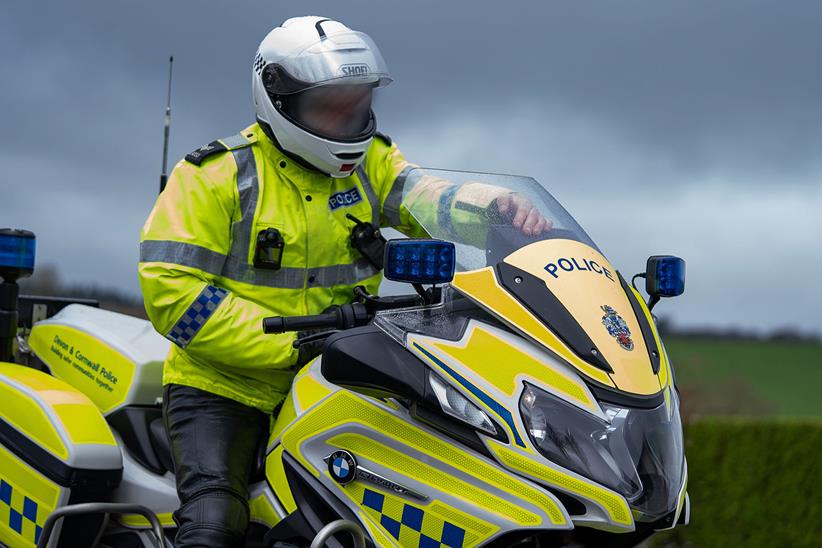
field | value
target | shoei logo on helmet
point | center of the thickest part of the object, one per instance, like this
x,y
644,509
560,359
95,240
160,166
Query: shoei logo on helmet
x,y
359,70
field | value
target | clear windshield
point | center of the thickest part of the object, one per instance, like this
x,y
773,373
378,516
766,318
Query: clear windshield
x,y
477,211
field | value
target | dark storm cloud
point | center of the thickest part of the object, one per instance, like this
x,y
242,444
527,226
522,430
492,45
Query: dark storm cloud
x,y
729,87
643,102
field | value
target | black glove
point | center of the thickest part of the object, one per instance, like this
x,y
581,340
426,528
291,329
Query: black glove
x,y
311,349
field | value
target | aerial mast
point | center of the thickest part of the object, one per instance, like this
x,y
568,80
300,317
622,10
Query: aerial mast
x,y
167,128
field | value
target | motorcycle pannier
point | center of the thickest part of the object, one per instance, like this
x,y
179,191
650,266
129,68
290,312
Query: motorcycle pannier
x,y
55,449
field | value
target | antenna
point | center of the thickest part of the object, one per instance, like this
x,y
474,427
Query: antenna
x,y
167,128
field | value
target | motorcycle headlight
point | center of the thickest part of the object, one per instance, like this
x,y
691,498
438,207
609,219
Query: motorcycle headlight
x,y
635,452
455,404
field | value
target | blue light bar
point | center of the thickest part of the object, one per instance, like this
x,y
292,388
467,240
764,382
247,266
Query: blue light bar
x,y
16,252
420,261
665,276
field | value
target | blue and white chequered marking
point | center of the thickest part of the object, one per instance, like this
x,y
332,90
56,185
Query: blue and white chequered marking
x,y
411,525
196,316
341,468
17,515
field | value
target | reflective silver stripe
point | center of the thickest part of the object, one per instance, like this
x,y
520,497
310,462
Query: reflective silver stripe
x,y
369,193
391,208
249,189
236,265
182,253
341,274
298,278
185,254
284,278
235,141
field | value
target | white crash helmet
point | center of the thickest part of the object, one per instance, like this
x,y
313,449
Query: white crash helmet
x,y
312,82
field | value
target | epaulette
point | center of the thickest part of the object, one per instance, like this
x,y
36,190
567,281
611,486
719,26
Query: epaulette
x,y
234,142
196,157
386,139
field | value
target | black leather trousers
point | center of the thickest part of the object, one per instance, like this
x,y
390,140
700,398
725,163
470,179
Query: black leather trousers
x,y
214,444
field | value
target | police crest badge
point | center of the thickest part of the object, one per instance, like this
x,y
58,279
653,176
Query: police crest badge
x,y
617,327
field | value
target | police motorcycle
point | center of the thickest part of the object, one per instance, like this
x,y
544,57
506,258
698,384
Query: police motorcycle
x,y
524,397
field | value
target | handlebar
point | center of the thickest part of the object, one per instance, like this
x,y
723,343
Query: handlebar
x,y
283,324
344,317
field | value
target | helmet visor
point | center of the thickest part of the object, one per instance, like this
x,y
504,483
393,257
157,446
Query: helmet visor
x,y
347,57
337,112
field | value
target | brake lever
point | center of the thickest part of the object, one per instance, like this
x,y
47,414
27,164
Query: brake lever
x,y
313,337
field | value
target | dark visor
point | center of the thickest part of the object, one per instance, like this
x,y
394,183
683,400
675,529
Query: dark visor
x,y
340,112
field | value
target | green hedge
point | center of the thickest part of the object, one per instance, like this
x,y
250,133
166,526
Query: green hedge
x,y
752,483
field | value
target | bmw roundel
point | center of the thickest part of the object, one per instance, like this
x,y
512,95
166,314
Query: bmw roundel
x,y
342,466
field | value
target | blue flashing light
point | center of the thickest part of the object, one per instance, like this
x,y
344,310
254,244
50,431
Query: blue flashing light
x,y
665,276
16,252
420,261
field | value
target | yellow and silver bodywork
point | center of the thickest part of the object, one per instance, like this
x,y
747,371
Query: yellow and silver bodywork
x,y
419,485
465,494
55,445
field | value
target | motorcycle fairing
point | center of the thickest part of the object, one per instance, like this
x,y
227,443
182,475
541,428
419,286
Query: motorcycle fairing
x,y
464,489
483,288
586,297
498,364
586,294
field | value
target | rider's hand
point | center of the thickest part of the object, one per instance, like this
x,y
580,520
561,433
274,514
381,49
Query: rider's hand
x,y
525,216
310,350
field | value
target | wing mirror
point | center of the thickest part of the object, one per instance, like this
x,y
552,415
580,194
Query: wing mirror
x,y
664,277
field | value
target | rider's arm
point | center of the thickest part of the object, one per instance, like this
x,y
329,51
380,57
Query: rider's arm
x,y
399,190
183,245
464,210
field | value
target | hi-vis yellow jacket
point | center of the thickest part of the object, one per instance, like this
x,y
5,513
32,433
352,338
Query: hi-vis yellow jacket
x,y
201,288
196,269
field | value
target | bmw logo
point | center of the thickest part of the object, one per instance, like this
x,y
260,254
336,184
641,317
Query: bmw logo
x,y
342,466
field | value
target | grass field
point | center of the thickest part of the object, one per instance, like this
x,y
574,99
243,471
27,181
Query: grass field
x,y
747,377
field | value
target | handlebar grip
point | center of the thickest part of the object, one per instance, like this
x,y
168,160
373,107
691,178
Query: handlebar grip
x,y
283,324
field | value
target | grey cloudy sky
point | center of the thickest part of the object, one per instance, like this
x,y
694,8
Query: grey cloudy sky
x,y
690,128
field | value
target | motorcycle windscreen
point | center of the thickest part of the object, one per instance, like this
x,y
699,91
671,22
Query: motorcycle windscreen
x,y
559,274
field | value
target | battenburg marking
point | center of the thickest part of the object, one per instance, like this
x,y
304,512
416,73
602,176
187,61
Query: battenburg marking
x,y
21,511
410,524
342,466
